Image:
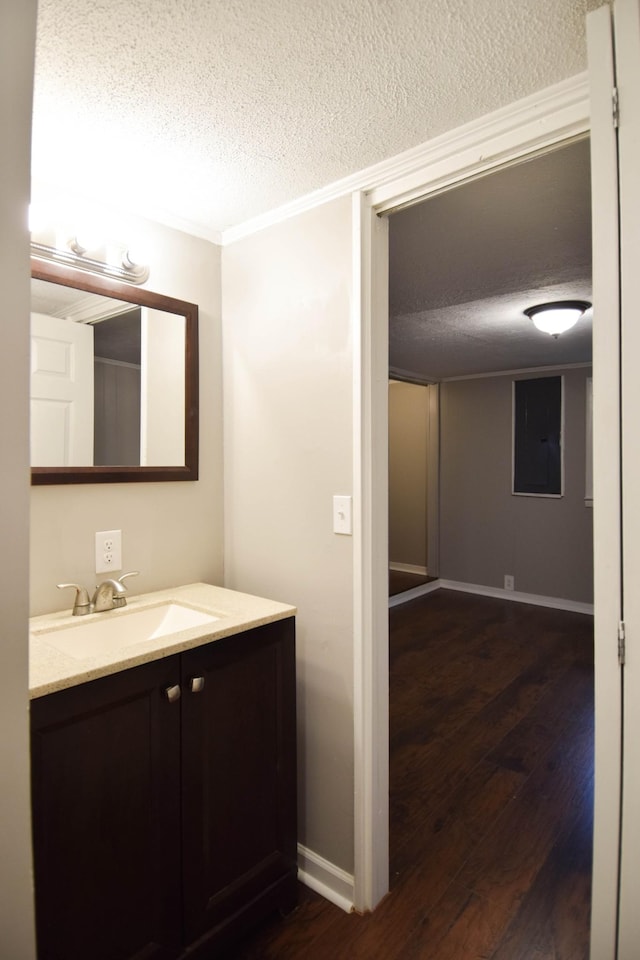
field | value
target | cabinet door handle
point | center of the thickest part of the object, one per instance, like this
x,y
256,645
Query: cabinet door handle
x,y
197,684
172,693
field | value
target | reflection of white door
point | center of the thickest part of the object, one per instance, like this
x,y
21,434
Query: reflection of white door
x,y
61,392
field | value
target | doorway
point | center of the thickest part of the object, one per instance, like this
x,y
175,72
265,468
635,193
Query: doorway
x,y
463,267
527,227
522,130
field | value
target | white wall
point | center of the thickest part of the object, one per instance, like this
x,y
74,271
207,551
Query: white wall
x,y
288,382
162,388
17,45
171,532
408,456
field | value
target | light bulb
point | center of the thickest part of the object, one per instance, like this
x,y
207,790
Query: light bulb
x,y
132,258
85,241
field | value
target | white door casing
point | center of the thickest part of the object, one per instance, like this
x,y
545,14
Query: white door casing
x,y
371,555
61,392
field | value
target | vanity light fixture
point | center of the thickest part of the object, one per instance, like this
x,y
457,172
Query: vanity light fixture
x,y
556,318
81,243
130,261
118,264
76,247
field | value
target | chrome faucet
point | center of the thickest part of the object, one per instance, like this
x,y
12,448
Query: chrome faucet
x,y
109,595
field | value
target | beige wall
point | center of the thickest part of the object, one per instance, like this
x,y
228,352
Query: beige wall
x,y
17,45
408,452
171,532
546,544
288,382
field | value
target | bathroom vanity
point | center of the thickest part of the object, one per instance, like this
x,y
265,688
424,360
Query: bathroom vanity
x,y
164,780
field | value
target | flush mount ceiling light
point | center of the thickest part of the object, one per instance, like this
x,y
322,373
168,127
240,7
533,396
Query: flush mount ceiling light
x,y
557,318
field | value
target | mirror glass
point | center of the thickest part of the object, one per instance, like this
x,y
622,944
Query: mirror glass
x,y
113,381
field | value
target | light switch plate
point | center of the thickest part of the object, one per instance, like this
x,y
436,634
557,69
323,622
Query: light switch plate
x,y
342,515
108,551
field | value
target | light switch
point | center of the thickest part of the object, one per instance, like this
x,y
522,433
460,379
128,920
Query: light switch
x,y
342,515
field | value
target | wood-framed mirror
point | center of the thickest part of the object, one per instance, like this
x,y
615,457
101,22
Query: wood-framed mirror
x,y
114,381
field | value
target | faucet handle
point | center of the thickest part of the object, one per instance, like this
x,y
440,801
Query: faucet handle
x,y
134,573
82,603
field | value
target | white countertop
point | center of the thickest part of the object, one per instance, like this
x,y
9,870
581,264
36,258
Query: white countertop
x,y
51,670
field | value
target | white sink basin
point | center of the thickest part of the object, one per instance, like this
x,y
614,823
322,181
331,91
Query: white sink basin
x,y
101,633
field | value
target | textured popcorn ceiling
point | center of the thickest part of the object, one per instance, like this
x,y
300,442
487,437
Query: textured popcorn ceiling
x,y
465,264
209,112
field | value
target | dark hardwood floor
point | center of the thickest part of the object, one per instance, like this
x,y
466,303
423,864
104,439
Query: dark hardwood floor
x,y
400,580
491,736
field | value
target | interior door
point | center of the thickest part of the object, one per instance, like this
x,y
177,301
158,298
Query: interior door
x,y
61,392
606,482
627,47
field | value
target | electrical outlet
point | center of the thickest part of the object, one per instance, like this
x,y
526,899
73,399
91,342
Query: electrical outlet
x,y
508,581
108,551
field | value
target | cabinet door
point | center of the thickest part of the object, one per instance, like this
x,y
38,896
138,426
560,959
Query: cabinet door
x,y
239,781
106,822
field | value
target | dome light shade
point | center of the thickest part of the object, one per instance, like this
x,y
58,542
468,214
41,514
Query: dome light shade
x,y
557,318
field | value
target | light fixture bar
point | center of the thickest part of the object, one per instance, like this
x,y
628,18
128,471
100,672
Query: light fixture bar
x,y
129,274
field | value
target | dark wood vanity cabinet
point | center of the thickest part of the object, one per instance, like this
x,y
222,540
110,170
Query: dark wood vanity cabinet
x,y
239,846
106,804
165,827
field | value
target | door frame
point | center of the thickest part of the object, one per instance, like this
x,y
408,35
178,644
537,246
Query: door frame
x,y
525,128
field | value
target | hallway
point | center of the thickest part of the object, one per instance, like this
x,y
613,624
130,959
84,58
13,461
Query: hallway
x,y
491,749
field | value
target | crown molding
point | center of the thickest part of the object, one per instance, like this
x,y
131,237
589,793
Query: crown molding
x,y
553,114
407,376
199,230
552,368
534,124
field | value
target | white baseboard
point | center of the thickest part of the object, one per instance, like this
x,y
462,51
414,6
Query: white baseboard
x,y
414,593
557,603
408,568
325,878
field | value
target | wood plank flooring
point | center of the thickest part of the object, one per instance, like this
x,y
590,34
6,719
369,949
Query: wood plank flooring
x,y
399,581
491,776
